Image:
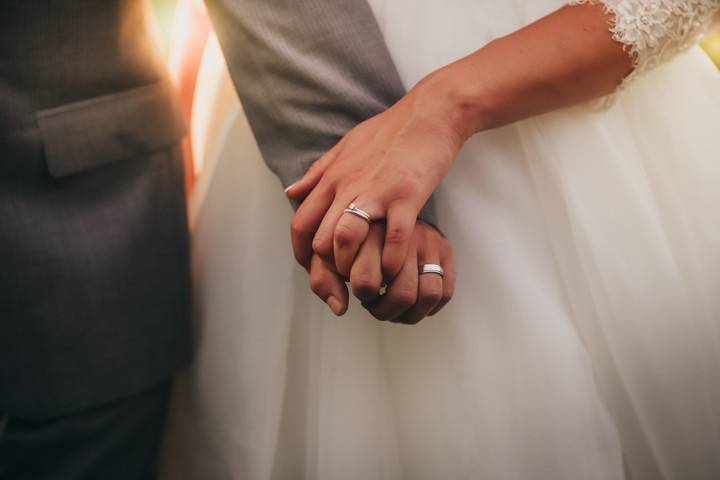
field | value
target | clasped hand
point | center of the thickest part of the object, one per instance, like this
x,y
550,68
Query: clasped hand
x,y
388,166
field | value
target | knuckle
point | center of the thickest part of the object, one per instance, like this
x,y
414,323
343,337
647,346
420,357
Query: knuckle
x,y
298,228
299,258
320,246
433,294
365,286
377,313
316,285
366,280
404,298
408,188
344,235
396,235
423,237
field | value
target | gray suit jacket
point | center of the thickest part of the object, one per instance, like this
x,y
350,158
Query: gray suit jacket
x,y
306,71
94,270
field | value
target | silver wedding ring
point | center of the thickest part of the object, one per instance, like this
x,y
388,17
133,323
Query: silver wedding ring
x,y
352,208
432,268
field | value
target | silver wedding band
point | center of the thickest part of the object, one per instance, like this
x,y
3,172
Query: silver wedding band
x,y
432,268
352,208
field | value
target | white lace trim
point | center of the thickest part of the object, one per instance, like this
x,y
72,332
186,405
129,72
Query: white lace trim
x,y
654,31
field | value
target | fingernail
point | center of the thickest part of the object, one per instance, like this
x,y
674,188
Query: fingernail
x,y
288,188
334,305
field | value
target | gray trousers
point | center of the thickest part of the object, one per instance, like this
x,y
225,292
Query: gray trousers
x,y
119,440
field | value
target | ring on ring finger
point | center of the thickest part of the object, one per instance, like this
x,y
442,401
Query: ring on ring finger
x,y
432,268
357,211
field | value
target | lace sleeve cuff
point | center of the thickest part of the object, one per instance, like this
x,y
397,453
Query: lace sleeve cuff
x,y
654,31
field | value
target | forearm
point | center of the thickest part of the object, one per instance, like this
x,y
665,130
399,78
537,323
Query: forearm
x,y
566,58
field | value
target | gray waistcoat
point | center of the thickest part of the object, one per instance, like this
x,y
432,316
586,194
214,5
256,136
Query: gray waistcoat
x,y
94,271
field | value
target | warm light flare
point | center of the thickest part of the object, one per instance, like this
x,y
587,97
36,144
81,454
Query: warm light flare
x,y
712,46
191,27
187,34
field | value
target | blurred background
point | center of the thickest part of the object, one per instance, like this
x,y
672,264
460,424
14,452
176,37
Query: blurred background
x,y
184,33
166,10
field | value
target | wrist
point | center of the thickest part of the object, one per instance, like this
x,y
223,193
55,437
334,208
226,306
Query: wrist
x,y
458,104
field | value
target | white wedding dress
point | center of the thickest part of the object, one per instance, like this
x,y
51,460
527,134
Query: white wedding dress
x,y
583,341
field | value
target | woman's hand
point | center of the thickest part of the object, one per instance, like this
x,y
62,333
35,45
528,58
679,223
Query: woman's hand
x,y
388,166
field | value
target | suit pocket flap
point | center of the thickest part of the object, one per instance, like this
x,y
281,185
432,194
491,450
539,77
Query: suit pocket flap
x,y
99,131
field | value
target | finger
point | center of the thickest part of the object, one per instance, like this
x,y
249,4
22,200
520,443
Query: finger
x,y
328,286
323,243
401,293
430,286
366,273
309,181
448,264
351,232
306,221
401,221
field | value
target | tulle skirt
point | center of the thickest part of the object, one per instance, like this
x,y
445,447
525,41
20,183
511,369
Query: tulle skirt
x,y
582,342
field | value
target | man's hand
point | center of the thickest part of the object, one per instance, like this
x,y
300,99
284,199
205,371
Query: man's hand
x,y
410,297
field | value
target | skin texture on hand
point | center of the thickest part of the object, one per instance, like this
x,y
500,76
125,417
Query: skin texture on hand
x,y
390,164
410,297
